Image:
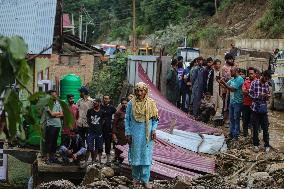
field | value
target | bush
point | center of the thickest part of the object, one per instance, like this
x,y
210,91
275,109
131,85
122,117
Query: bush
x,y
211,34
272,22
109,79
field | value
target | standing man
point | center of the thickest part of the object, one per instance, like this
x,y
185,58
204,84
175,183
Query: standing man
x,y
118,127
66,132
180,70
95,120
234,85
141,122
108,111
84,104
172,83
197,81
246,113
53,126
259,92
226,76
209,77
216,87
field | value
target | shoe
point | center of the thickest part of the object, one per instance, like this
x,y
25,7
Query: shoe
x,y
255,149
267,149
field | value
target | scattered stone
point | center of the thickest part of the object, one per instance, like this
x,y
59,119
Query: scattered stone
x,y
122,187
261,176
107,172
101,185
59,184
182,182
92,174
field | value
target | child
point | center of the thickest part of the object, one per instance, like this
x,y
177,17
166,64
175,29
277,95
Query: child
x,y
95,121
207,107
73,146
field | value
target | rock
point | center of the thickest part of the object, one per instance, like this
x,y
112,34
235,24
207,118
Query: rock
x,y
182,182
199,187
280,181
101,185
261,176
107,172
92,174
122,187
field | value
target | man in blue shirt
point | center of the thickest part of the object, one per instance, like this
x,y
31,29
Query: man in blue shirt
x,y
234,85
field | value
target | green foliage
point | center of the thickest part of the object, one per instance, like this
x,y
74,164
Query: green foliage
x,y
110,78
211,34
272,23
68,116
14,69
12,106
224,4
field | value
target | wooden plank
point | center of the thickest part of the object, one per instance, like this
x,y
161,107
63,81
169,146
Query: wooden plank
x,y
57,168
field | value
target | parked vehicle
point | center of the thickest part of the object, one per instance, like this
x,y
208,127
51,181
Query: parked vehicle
x,y
188,54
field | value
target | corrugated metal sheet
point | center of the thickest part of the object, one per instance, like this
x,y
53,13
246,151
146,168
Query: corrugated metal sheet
x,y
31,19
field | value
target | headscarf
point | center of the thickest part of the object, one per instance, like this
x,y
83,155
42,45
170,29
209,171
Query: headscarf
x,y
145,109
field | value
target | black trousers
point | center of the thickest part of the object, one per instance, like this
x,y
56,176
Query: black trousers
x,y
107,140
246,117
51,136
83,131
257,120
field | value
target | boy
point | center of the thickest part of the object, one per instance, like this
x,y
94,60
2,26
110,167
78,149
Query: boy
x,y
73,147
95,121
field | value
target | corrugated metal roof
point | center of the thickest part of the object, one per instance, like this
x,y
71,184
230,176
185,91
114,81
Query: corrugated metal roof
x,y
31,19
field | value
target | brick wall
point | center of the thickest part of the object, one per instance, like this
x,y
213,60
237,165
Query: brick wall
x,y
82,65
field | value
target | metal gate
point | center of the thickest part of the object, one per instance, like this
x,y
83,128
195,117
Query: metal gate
x,y
149,64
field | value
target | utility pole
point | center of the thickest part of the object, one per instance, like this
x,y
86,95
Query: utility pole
x,y
80,24
134,26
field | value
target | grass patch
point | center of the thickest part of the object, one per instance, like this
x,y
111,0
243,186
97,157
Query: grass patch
x,y
18,174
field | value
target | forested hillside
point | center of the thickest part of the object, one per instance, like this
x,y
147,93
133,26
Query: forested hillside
x,y
167,22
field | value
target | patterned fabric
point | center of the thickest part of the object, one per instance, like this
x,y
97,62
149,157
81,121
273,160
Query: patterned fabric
x,y
144,110
256,92
140,152
84,106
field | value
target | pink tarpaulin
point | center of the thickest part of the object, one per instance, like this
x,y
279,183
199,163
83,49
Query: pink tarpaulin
x,y
168,111
170,160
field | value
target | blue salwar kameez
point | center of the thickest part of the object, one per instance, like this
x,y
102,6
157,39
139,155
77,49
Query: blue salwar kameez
x,y
140,152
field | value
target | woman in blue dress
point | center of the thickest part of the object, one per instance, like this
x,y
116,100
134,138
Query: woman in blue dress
x,y
141,122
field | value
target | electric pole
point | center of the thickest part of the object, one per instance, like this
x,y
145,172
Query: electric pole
x,y
134,26
80,24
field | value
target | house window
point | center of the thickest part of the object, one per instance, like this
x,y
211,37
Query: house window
x,y
46,77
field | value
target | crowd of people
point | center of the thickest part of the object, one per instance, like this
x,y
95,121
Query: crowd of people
x,y
207,90
93,128
98,124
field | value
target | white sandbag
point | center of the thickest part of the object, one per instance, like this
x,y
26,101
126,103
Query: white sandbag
x,y
188,140
212,144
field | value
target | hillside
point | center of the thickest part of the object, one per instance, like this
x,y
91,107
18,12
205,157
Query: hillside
x,y
168,22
